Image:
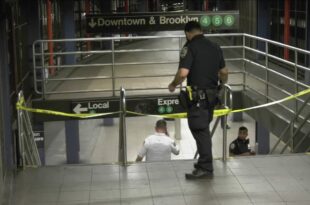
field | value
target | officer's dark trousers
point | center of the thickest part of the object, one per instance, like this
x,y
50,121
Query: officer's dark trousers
x,y
204,147
203,138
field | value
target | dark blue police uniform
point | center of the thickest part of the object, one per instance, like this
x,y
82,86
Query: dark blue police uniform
x,y
204,59
239,146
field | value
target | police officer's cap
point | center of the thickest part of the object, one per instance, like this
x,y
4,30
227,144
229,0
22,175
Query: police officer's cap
x,y
192,25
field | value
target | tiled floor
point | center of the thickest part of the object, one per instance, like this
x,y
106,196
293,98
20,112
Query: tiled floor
x,y
246,180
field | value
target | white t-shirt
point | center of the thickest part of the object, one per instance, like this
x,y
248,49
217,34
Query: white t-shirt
x,y
158,147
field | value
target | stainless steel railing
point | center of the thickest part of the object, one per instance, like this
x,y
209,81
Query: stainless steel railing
x,y
122,151
258,66
41,67
28,152
227,105
45,78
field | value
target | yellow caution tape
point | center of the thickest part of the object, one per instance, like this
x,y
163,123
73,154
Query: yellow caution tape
x,y
304,92
20,106
217,113
222,112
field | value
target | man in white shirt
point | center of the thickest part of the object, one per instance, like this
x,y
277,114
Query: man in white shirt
x,y
159,146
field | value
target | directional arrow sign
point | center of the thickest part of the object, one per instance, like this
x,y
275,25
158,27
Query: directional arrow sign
x,y
100,106
78,109
92,23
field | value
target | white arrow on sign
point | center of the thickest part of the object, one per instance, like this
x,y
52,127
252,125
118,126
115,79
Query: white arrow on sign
x,y
78,109
92,23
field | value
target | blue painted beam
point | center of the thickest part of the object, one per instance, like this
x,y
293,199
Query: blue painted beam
x,y
6,109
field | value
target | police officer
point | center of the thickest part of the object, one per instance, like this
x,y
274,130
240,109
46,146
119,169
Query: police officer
x,y
202,63
240,146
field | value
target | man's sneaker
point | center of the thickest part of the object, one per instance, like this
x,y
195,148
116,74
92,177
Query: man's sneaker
x,y
199,174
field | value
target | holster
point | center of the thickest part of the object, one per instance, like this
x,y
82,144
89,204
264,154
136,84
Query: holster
x,y
184,99
208,96
195,96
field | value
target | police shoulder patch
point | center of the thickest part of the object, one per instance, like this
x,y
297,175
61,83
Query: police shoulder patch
x,y
183,52
232,146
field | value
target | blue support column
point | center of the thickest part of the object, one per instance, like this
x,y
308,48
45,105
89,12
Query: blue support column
x,y
108,121
106,7
72,141
33,26
68,23
262,138
33,34
263,19
71,126
237,104
5,90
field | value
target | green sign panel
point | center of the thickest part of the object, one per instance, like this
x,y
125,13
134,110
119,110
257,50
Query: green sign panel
x,y
143,22
205,21
229,20
217,20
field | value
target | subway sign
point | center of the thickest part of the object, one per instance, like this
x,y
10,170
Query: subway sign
x,y
119,23
155,105
145,105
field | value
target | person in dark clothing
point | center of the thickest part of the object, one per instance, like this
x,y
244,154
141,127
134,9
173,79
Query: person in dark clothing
x,y
202,64
241,146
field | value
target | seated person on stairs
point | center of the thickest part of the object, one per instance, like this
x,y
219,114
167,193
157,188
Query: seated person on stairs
x,y
240,146
159,146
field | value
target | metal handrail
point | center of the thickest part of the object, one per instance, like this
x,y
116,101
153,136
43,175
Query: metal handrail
x,y
122,155
228,105
114,50
243,58
276,43
295,133
28,151
289,125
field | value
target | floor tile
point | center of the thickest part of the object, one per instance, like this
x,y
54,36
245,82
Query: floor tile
x,y
168,200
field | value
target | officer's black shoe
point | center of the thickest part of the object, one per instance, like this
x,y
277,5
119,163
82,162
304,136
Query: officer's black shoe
x,y
199,174
196,166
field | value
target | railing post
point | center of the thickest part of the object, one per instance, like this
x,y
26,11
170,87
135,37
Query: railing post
x,y
180,48
267,72
122,154
20,133
243,63
227,90
43,70
113,67
225,139
34,67
296,101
